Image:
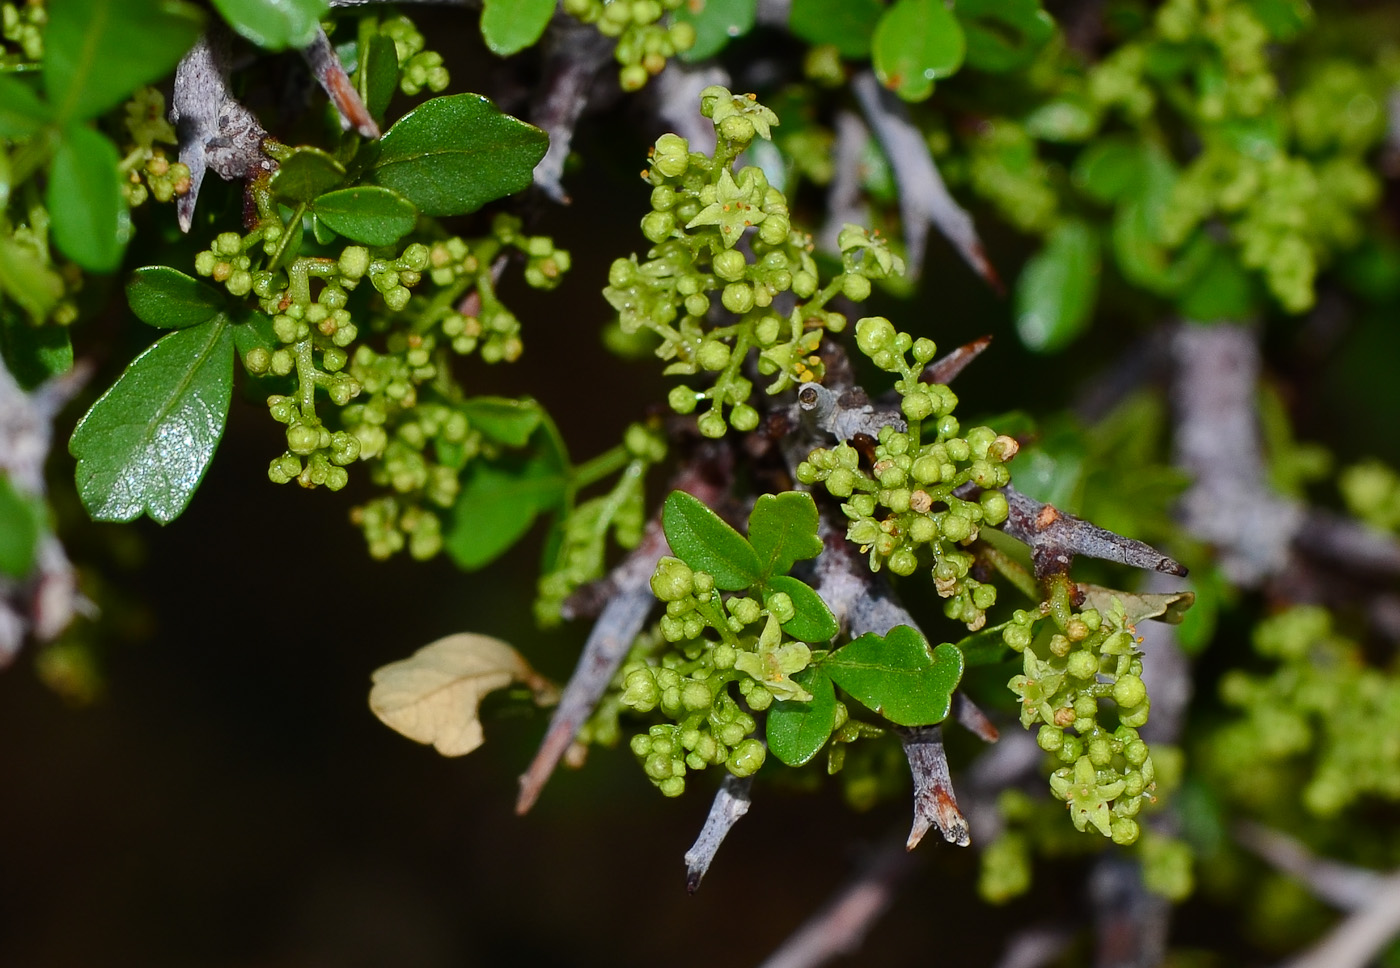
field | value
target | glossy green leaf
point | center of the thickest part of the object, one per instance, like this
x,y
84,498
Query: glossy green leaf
x,y
1056,291
309,172
703,541
96,52
321,232
21,524
1110,169
454,154
275,24
382,64
368,214
783,530
500,500
167,298
91,223
898,676
22,111
1004,35
504,420
797,731
26,280
146,443
33,354
848,25
509,26
716,23
812,620
916,42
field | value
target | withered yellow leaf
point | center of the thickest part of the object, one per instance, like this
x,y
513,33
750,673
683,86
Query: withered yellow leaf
x,y
434,696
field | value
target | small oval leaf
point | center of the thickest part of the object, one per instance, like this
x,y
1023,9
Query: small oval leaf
x,y
368,214
898,676
307,173
716,23
916,43
146,443
700,538
509,26
275,24
783,530
453,154
168,299
1056,291
812,620
91,223
797,730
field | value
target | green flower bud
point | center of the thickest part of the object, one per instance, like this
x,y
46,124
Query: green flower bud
x,y
874,334
736,128
673,580
730,265
302,439
354,262
1050,738
855,288
1083,665
682,399
257,361
713,354
712,424
1129,691
695,696
1125,831
657,226
747,757
697,304
737,297
743,418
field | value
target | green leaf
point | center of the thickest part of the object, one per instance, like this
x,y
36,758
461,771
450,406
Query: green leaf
x,y
509,26
27,280
848,25
797,731
368,214
307,173
1004,35
21,524
22,111
146,443
898,676
167,298
1221,290
504,420
812,620
91,223
1110,169
275,24
501,499
783,530
916,42
454,154
716,22
382,79
33,353
1056,291
255,332
96,52
703,541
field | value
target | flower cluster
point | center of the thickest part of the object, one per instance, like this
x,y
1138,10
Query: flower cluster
x,y
644,42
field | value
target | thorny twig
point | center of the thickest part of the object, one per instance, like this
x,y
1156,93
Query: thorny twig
x,y
1362,935
574,55
841,924
216,132
934,803
43,603
923,197
612,636
732,801
330,74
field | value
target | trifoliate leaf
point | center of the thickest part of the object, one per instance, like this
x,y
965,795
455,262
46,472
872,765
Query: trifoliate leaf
x,y
452,155
898,675
168,299
509,26
798,730
96,52
434,696
368,214
275,24
783,530
916,42
91,223
703,541
146,443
